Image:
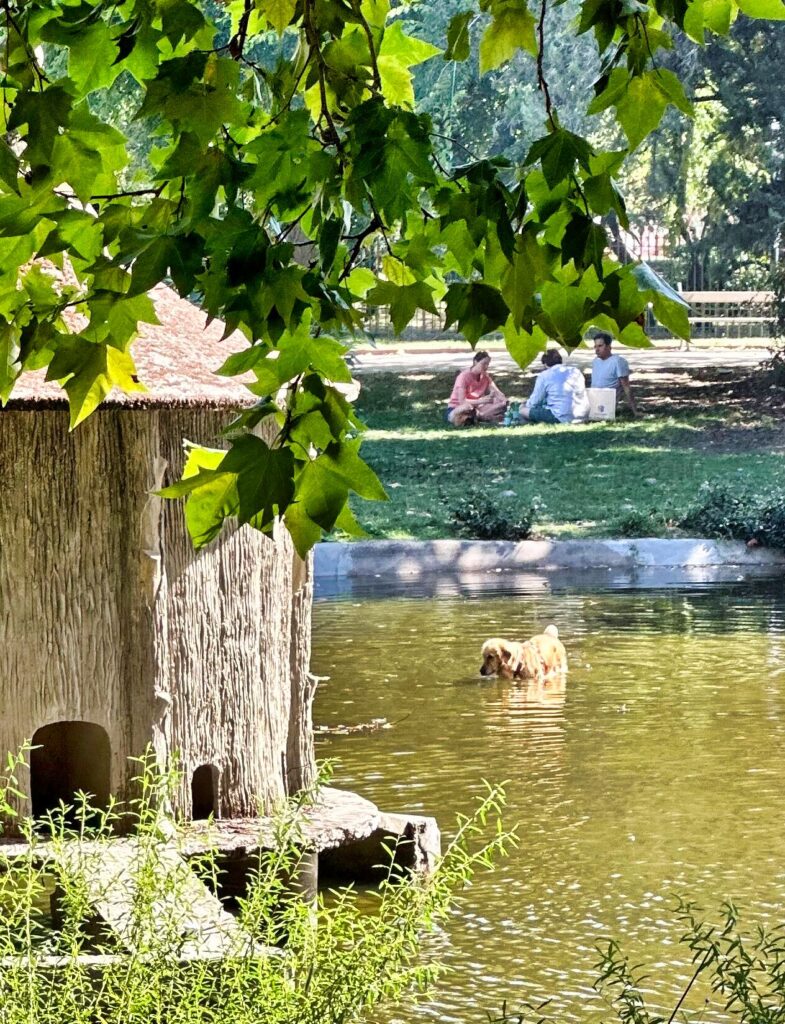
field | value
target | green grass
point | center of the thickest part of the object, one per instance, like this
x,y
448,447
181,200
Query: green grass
x,y
581,479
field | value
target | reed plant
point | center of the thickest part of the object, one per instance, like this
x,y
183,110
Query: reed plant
x,y
289,959
738,976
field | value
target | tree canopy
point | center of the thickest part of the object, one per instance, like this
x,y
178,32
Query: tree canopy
x,y
286,144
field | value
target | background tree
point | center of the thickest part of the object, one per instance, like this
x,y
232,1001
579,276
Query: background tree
x,y
272,172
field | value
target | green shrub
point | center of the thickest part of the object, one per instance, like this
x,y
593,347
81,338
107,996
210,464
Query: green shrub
x,y
744,972
635,522
478,517
292,961
722,513
738,515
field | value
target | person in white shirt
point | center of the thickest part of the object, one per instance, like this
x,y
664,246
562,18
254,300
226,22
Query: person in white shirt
x,y
610,371
559,394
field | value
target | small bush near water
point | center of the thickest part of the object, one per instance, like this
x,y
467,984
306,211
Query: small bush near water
x,y
634,522
334,962
738,515
480,517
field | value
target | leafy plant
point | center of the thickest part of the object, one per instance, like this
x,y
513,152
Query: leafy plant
x,y
635,522
276,171
738,515
744,971
479,516
722,512
336,962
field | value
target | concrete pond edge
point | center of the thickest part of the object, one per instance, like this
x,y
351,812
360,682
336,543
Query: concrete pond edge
x,y
408,559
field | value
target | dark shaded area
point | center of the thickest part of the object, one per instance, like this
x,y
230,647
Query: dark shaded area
x,y
204,792
68,757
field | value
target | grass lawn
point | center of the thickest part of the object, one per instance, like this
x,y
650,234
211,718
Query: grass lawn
x,y
584,480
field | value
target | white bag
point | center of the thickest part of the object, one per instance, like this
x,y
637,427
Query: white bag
x,y
602,403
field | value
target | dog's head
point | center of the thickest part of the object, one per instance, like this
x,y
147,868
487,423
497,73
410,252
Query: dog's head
x,y
491,658
499,658
509,660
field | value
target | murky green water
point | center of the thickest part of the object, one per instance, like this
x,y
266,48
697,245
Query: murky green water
x,y
661,770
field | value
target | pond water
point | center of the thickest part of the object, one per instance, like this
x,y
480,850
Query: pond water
x,y
659,771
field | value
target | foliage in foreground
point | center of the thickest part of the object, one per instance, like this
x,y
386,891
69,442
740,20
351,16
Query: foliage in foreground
x,y
323,962
276,171
739,975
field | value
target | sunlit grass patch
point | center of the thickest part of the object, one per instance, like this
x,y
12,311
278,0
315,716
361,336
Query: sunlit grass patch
x,y
580,478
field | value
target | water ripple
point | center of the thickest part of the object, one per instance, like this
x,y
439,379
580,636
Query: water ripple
x,y
656,772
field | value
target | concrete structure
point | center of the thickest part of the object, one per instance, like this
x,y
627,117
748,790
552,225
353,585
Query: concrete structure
x,y
399,560
114,632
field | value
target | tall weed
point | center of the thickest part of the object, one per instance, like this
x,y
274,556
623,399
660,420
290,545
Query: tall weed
x,y
737,975
291,961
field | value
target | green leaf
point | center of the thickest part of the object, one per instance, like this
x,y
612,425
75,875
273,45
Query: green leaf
x,y
344,460
212,495
279,13
10,367
558,153
476,308
564,308
166,254
773,10
9,166
641,108
265,484
458,41
304,531
511,29
530,266
347,522
321,493
44,114
671,314
88,372
523,345
670,85
119,316
91,58
239,363
403,301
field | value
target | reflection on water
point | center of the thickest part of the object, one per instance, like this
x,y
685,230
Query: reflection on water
x,y
658,770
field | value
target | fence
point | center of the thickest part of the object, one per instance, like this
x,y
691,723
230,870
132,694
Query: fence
x,y
715,316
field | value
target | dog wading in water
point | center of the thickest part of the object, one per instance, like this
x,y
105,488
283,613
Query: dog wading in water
x,y
537,658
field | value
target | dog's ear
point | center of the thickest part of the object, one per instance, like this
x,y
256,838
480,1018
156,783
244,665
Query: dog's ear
x,y
505,654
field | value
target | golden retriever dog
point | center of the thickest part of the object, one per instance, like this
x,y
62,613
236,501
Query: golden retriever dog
x,y
536,659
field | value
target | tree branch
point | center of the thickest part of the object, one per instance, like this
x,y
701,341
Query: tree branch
x,y
237,42
542,83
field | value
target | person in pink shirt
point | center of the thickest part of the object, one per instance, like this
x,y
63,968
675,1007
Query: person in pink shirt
x,y
475,397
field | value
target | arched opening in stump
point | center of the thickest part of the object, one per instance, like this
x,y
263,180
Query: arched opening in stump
x,y
68,757
204,792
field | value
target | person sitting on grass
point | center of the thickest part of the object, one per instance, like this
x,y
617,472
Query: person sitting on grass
x,y
611,371
559,394
475,397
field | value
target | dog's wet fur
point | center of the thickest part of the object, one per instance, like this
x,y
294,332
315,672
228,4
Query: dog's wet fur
x,y
541,656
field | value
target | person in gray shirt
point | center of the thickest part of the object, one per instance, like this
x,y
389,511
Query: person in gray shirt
x,y
610,371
